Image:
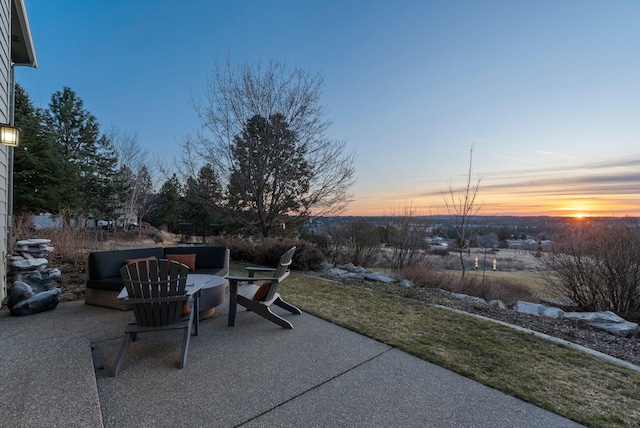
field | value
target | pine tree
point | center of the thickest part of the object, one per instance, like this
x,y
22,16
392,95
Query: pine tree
x,y
40,170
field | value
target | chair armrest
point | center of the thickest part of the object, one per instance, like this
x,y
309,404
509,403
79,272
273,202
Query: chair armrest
x,y
260,269
250,278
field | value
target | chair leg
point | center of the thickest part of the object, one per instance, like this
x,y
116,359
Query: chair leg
x,y
185,342
288,306
265,312
123,348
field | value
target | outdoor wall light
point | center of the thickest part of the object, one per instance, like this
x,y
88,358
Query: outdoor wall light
x,y
9,135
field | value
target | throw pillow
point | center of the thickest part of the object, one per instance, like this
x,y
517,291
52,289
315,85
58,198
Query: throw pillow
x,y
186,310
185,259
262,291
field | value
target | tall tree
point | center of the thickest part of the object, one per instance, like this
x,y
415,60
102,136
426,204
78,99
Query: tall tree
x,y
462,205
95,180
40,171
168,208
270,175
234,96
132,163
203,198
144,198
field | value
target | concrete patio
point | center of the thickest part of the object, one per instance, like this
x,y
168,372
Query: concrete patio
x,y
57,364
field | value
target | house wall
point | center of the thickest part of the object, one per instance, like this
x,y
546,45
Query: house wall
x,y
5,70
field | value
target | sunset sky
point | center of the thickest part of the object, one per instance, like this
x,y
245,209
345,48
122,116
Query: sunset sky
x,y
548,92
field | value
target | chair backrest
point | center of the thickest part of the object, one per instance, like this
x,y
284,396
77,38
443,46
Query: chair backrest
x,y
281,272
154,288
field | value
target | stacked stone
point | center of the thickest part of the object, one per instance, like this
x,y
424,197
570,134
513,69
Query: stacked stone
x,y
33,288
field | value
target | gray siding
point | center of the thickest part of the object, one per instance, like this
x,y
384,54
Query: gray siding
x,y
5,68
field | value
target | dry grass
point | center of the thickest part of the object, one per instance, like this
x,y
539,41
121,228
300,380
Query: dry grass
x,y
489,287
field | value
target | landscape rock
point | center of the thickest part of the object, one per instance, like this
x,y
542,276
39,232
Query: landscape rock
x,y
623,329
40,302
552,312
406,283
349,267
497,304
336,271
28,264
326,266
595,317
466,297
564,304
378,277
529,308
18,291
41,281
360,269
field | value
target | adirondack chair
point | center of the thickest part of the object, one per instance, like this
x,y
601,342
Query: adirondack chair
x,y
259,297
156,290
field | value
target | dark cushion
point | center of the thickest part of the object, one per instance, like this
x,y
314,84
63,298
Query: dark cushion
x,y
206,257
107,264
107,284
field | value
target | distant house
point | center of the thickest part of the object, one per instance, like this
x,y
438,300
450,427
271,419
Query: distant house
x,y
16,49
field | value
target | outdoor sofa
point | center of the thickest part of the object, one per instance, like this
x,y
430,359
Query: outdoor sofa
x,y
104,281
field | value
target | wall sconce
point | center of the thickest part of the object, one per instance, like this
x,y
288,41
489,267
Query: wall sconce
x,y
9,135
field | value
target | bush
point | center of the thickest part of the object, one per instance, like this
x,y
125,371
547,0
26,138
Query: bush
x,y
356,242
267,251
598,267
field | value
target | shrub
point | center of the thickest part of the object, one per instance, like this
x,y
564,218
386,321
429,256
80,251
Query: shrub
x,y
267,251
598,267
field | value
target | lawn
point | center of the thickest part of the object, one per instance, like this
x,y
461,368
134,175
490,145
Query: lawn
x,y
565,381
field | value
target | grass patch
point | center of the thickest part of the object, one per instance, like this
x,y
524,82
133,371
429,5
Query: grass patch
x,y
562,380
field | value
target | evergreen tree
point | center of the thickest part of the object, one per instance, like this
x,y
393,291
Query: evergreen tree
x,y
98,188
40,170
203,198
168,207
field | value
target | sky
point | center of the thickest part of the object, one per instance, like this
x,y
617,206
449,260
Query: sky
x,y
546,92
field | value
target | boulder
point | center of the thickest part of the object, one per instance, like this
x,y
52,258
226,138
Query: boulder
x,y
622,329
406,283
378,277
18,291
326,266
467,298
336,271
528,308
497,304
349,267
40,302
596,317
28,264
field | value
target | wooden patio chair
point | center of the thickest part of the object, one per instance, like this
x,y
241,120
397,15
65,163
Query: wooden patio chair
x,y
156,290
259,297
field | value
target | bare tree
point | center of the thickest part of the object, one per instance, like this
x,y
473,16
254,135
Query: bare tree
x,y
461,204
132,163
405,233
235,95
